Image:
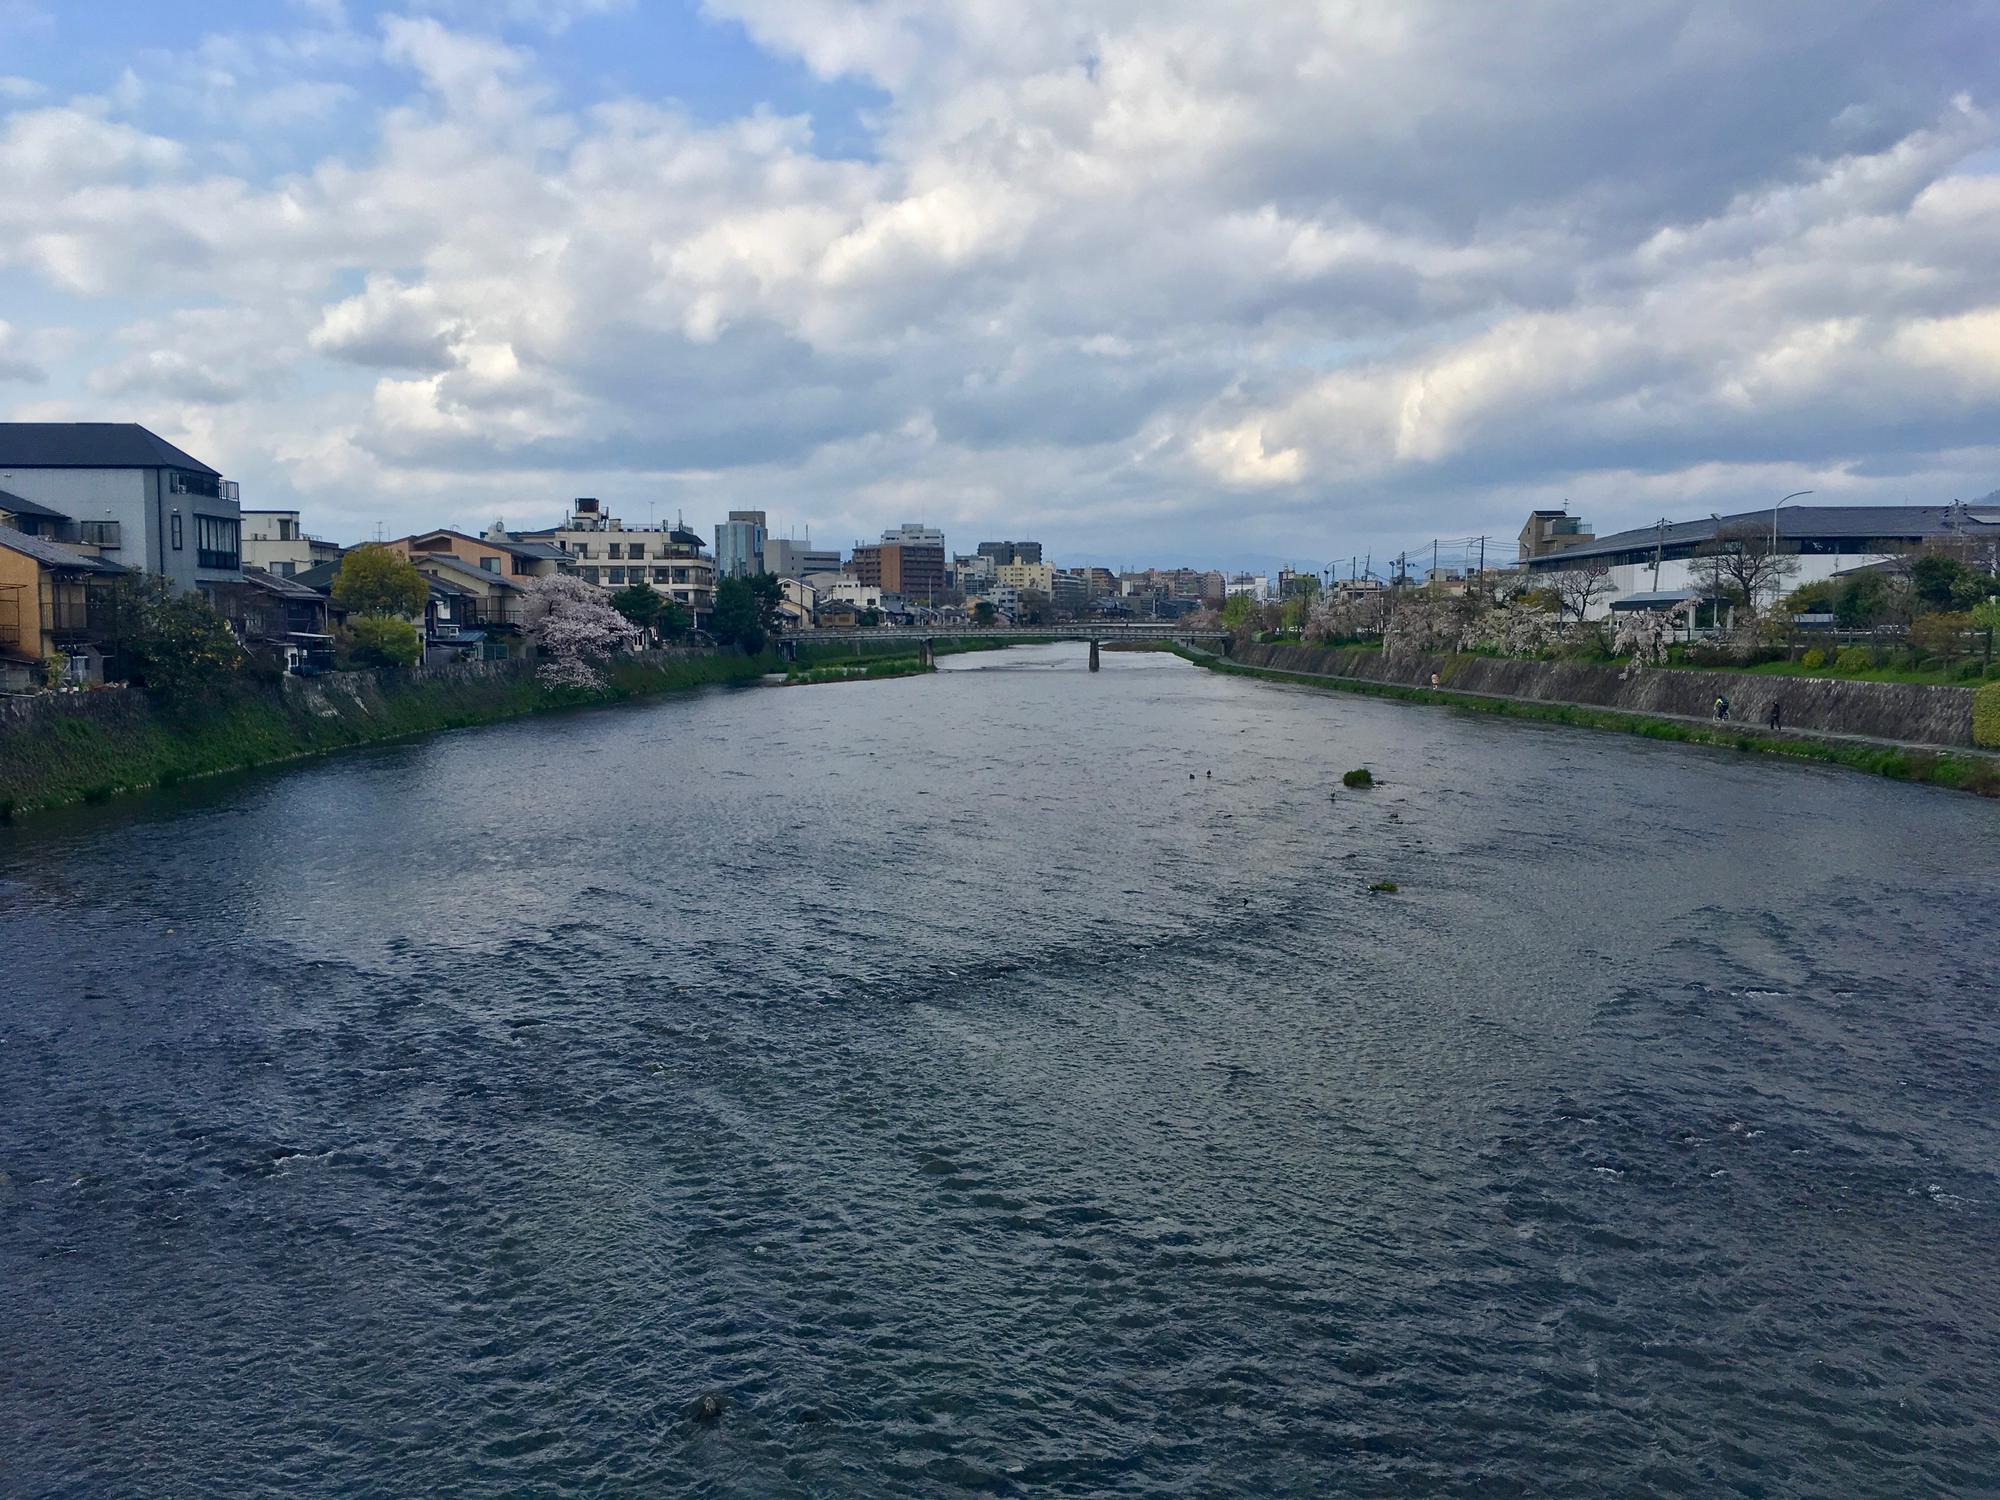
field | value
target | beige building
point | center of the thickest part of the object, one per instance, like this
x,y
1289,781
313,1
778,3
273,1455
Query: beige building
x,y
603,550
275,541
1026,577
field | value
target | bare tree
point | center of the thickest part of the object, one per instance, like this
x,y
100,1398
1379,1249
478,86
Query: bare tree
x,y
1740,563
1579,586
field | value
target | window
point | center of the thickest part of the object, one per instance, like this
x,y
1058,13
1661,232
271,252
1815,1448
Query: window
x,y
100,533
180,482
288,531
175,528
611,551
659,575
617,575
490,564
590,575
218,542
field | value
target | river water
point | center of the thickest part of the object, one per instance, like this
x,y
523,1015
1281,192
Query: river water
x,y
1004,1082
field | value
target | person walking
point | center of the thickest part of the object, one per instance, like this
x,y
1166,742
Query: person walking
x,y
1777,714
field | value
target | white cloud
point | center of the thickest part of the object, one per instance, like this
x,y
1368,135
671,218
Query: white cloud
x,y
1293,271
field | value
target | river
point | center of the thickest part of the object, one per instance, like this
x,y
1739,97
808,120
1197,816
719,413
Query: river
x,y
1004,1082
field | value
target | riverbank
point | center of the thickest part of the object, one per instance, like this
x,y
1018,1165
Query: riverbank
x,y
1958,769
89,747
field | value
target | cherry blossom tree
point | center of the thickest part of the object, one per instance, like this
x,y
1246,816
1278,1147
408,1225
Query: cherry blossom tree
x,y
576,629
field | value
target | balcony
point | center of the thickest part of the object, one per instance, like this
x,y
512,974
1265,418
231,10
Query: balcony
x,y
78,617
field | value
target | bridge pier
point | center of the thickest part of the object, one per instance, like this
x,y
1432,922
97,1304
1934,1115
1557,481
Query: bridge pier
x,y
930,653
1093,653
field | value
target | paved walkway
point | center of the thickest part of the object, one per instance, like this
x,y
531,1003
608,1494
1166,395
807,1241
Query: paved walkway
x,y
1446,694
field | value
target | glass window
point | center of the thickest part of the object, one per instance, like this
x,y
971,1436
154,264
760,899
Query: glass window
x,y
218,541
617,575
490,564
659,575
611,551
175,528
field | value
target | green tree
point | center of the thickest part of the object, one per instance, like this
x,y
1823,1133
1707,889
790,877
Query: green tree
x,y
377,580
1943,584
769,591
870,617
983,613
174,643
673,621
638,603
738,616
383,641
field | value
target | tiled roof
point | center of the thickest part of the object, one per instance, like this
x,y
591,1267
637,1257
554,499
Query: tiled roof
x,y
55,554
23,507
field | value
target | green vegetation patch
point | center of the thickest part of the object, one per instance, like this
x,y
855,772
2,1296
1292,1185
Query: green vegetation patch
x,y
1358,778
1986,715
123,740
860,671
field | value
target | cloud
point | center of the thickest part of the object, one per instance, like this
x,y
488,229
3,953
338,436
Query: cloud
x,y
14,363
1301,276
388,325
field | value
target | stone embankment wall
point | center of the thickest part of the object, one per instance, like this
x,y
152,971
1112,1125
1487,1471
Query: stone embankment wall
x,y
1909,713
66,747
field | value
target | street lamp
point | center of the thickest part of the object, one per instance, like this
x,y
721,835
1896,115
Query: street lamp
x,y
1774,517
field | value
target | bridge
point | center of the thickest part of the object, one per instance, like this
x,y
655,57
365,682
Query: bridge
x,y
927,636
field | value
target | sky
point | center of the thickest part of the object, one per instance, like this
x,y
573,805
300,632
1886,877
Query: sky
x,y
1153,282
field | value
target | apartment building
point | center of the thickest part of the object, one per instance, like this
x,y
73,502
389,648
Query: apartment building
x,y
603,550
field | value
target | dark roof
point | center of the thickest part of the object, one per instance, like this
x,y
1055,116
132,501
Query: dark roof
x,y
1795,523
16,505
277,583
55,554
542,550
444,588
319,577
90,445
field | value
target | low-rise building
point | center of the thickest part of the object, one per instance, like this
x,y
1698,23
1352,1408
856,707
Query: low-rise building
x,y
275,541
54,603
1815,541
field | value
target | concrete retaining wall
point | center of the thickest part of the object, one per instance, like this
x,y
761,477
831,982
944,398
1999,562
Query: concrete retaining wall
x,y
1907,712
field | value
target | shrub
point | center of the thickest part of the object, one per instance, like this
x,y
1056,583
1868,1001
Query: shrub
x,y
1813,660
1854,659
1986,716
1384,887
1362,777
1940,634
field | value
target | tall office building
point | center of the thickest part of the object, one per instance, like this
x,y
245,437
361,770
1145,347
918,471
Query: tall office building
x,y
1004,553
792,559
739,544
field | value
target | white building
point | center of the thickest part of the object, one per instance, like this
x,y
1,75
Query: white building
x,y
1818,541
605,551
275,541
844,588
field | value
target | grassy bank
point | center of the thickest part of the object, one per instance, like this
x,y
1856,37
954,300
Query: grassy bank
x,y
126,743
1968,772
